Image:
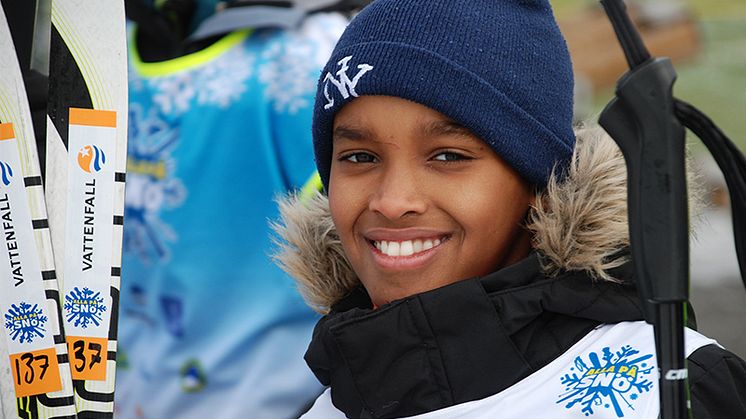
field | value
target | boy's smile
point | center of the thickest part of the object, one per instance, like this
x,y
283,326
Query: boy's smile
x,y
404,248
419,202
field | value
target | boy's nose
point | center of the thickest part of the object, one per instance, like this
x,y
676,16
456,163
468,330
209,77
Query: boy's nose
x,y
398,194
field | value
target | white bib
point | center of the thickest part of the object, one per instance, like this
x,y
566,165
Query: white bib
x,y
610,373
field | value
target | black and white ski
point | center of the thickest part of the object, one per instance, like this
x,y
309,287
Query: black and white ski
x,y
85,171
34,370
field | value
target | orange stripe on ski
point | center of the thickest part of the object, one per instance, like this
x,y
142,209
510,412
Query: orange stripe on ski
x,y
6,131
93,117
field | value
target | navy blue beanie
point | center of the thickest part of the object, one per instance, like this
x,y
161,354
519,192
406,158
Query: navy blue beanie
x,y
498,67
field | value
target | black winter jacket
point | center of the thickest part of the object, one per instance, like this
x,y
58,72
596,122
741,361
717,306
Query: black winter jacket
x,y
473,347
476,338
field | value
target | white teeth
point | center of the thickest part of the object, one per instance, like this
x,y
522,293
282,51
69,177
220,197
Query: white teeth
x,y
405,248
393,249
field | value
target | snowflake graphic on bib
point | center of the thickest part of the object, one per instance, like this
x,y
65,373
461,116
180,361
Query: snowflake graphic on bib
x,y
607,380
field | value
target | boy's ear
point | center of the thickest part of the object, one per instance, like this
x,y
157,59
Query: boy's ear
x,y
536,195
535,201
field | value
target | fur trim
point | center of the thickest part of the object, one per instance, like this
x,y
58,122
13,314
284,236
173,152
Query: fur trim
x,y
310,250
578,223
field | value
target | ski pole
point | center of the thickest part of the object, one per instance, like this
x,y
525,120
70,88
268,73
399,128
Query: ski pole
x,y
641,120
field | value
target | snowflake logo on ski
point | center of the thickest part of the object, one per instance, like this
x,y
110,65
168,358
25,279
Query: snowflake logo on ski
x,y
613,380
84,307
25,322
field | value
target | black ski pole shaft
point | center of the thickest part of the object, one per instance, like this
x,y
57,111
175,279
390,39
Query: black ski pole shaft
x,y
641,120
634,49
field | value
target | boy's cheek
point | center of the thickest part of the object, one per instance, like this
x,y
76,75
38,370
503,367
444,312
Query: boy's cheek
x,y
344,205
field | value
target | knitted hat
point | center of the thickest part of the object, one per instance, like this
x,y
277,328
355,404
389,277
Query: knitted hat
x,y
498,67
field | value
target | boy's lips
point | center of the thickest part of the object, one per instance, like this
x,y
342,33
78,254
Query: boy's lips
x,y
404,249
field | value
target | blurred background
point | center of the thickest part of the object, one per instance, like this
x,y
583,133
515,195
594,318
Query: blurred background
x,y
706,40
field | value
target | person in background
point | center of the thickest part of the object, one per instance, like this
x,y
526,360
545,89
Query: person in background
x,y
220,120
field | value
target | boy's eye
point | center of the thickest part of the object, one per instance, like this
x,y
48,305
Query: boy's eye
x,y
359,157
450,156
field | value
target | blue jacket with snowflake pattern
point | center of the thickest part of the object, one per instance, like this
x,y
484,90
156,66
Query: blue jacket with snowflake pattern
x,y
209,326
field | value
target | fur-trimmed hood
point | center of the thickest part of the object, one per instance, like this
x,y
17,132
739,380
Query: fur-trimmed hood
x,y
578,224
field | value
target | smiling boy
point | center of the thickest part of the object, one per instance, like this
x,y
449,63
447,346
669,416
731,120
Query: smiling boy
x,y
470,251
413,197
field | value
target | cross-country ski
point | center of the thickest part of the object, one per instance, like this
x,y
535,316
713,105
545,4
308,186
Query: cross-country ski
x,y
33,353
85,166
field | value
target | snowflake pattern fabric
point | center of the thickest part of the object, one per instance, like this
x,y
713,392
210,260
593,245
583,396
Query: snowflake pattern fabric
x,y
219,84
283,71
211,144
291,64
151,185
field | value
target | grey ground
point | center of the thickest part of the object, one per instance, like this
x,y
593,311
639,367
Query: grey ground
x,y
717,293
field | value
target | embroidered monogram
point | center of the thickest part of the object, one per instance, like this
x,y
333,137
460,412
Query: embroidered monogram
x,y
344,84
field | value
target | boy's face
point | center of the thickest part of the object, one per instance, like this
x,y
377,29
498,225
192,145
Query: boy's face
x,y
419,201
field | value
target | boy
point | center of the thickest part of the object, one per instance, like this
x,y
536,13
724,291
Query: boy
x,y
470,257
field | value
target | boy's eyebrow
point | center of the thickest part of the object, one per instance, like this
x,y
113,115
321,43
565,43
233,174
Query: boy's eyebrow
x,y
431,129
447,127
343,132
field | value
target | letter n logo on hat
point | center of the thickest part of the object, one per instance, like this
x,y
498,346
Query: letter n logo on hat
x,y
345,85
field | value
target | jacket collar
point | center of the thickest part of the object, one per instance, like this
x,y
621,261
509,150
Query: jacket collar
x,y
458,343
